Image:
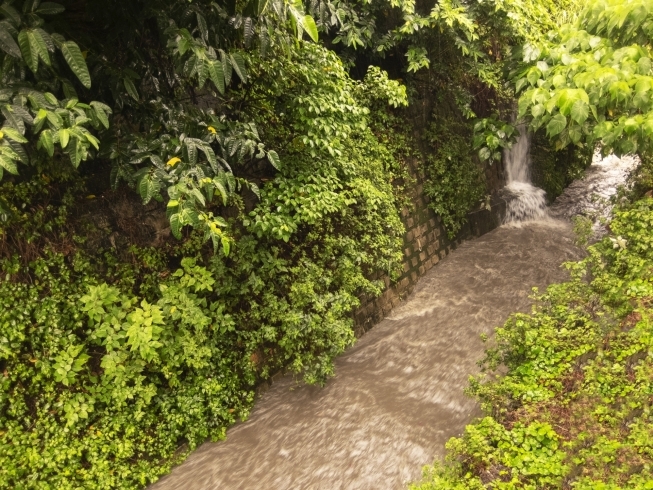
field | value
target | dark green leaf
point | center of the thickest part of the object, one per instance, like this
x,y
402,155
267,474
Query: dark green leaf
x,y
30,56
131,88
238,64
77,63
217,75
8,44
50,8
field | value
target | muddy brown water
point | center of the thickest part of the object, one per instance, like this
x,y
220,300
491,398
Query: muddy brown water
x,y
398,394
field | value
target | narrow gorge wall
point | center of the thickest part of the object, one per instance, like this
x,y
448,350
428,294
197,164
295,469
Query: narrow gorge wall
x,y
426,243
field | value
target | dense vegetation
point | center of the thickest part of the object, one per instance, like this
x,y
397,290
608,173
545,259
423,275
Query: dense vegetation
x,y
194,195
567,389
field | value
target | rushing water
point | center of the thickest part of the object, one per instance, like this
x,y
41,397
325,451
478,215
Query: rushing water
x,y
397,396
527,202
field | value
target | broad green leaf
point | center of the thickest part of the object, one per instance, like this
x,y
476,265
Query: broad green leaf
x,y
76,62
538,110
217,75
239,66
8,44
201,25
46,141
101,115
8,164
30,56
199,197
13,135
534,75
221,188
50,8
20,151
521,83
38,45
579,112
202,72
54,119
226,67
309,26
226,245
566,100
273,158
556,125
575,134
131,88
64,137
12,119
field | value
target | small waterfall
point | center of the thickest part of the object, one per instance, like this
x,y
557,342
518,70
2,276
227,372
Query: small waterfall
x,y
527,202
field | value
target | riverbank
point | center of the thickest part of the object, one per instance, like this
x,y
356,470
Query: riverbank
x,y
568,388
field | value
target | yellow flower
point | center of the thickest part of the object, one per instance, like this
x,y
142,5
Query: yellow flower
x,y
173,161
211,129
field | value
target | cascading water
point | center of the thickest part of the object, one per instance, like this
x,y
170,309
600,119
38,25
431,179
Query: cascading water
x,y
527,202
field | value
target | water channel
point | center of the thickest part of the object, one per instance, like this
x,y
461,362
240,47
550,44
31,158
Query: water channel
x,y
397,396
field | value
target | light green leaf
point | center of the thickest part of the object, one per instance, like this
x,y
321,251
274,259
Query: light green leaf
x,y
309,26
46,141
13,134
9,165
533,75
273,158
64,137
76,61
176,225
579,112
556,125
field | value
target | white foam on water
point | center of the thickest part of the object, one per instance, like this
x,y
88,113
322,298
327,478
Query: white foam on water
x,y
527,202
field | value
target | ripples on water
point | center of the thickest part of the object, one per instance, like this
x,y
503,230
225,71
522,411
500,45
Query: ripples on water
x,y
397,396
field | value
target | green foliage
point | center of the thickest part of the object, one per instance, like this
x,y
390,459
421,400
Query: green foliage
x,y
573,402
592,79
115,362
455,181
491,137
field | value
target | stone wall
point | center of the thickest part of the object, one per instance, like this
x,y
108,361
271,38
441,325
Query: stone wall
x,y
426,243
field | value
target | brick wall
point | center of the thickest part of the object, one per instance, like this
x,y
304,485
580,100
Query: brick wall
x,y
425,244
